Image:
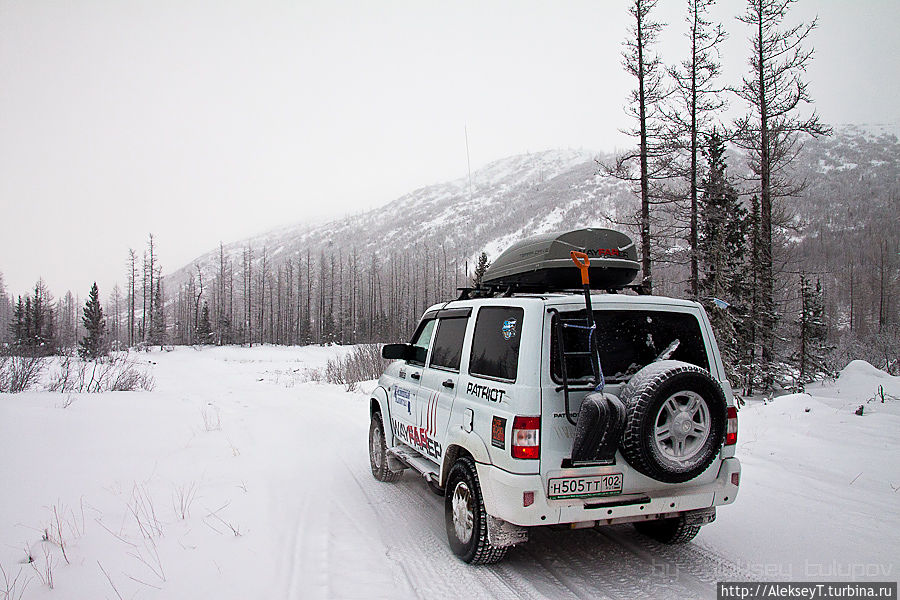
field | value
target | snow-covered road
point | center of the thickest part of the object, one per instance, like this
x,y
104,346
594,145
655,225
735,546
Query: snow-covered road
x,y
284,505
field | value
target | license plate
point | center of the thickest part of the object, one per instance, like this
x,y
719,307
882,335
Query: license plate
x,y
582,487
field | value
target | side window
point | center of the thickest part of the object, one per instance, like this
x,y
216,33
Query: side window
x,y
421,340
448,344
495,343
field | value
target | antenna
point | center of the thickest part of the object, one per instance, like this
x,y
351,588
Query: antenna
x,y
468,162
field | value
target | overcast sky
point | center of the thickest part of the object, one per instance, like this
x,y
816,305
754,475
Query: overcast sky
x,y
203,121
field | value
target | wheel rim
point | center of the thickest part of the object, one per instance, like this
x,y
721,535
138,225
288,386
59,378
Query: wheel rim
x,y
375,446
682,426
463,516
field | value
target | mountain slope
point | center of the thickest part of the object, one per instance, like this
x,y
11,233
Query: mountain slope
x,y
853,196
510,198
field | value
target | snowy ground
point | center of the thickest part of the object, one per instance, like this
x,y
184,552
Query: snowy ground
x,y
236,479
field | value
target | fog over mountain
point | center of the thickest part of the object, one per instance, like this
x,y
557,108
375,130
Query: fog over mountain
x,y
852,180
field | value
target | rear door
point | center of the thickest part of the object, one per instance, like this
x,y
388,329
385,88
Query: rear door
x,y
629,338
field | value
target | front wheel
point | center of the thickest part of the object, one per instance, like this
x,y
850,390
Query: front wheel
x,y
378,452
465,517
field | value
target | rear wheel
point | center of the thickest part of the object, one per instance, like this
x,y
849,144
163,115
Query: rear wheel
x,y
668,531
378,452
465,517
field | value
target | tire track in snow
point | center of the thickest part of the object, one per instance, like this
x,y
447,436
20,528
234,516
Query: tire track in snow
x,y
413,528
691,563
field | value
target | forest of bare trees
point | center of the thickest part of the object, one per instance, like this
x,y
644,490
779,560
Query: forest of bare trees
x,y
329,297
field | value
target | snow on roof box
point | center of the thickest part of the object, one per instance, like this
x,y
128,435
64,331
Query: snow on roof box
x,y
543,262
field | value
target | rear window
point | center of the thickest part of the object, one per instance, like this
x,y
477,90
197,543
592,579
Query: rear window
x,y
628,341
448,343
495,343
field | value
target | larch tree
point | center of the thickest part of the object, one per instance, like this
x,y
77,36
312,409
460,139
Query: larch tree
x,y
775,91
132,288
697,102
651,162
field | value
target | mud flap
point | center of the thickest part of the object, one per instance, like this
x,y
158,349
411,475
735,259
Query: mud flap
x,y
700,517
502,534
395,464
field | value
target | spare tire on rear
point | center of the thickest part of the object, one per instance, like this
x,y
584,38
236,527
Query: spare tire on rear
x,y
675,421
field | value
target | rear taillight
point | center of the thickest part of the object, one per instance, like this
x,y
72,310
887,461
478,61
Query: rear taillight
x,y
731,427
526,437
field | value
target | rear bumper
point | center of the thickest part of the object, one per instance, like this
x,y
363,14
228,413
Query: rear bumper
x,y
503,492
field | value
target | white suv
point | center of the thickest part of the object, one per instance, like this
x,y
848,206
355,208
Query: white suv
x,y
530,410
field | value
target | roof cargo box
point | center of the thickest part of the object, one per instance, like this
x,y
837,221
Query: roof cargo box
x,y
543,262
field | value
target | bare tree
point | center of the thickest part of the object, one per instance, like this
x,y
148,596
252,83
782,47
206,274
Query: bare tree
x,y
774,91
693,113
653,154
197,298
132,278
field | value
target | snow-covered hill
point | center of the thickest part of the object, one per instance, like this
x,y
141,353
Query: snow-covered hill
x,y
520,195
853,185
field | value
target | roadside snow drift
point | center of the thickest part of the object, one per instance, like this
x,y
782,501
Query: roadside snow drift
x,y
238,478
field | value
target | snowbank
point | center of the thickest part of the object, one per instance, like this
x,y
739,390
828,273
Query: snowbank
x,y
819,488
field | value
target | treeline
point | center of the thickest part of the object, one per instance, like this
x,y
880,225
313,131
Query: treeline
x,y
333,296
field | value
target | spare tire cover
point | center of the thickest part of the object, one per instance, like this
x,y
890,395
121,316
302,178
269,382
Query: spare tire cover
x,y
675,421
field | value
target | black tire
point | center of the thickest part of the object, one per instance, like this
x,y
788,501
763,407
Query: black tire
x,y
463,486
675,423
668,531
378,452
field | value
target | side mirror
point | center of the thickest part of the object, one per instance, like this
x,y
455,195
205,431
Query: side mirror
x,y
397,351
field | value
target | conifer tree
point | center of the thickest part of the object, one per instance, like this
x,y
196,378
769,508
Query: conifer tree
x,y
91,345
204,328
158,332
6,311
17,329
722,229
810,358
722,237
480,268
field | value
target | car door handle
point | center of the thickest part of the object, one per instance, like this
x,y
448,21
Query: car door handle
x,y
415,376
448,383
